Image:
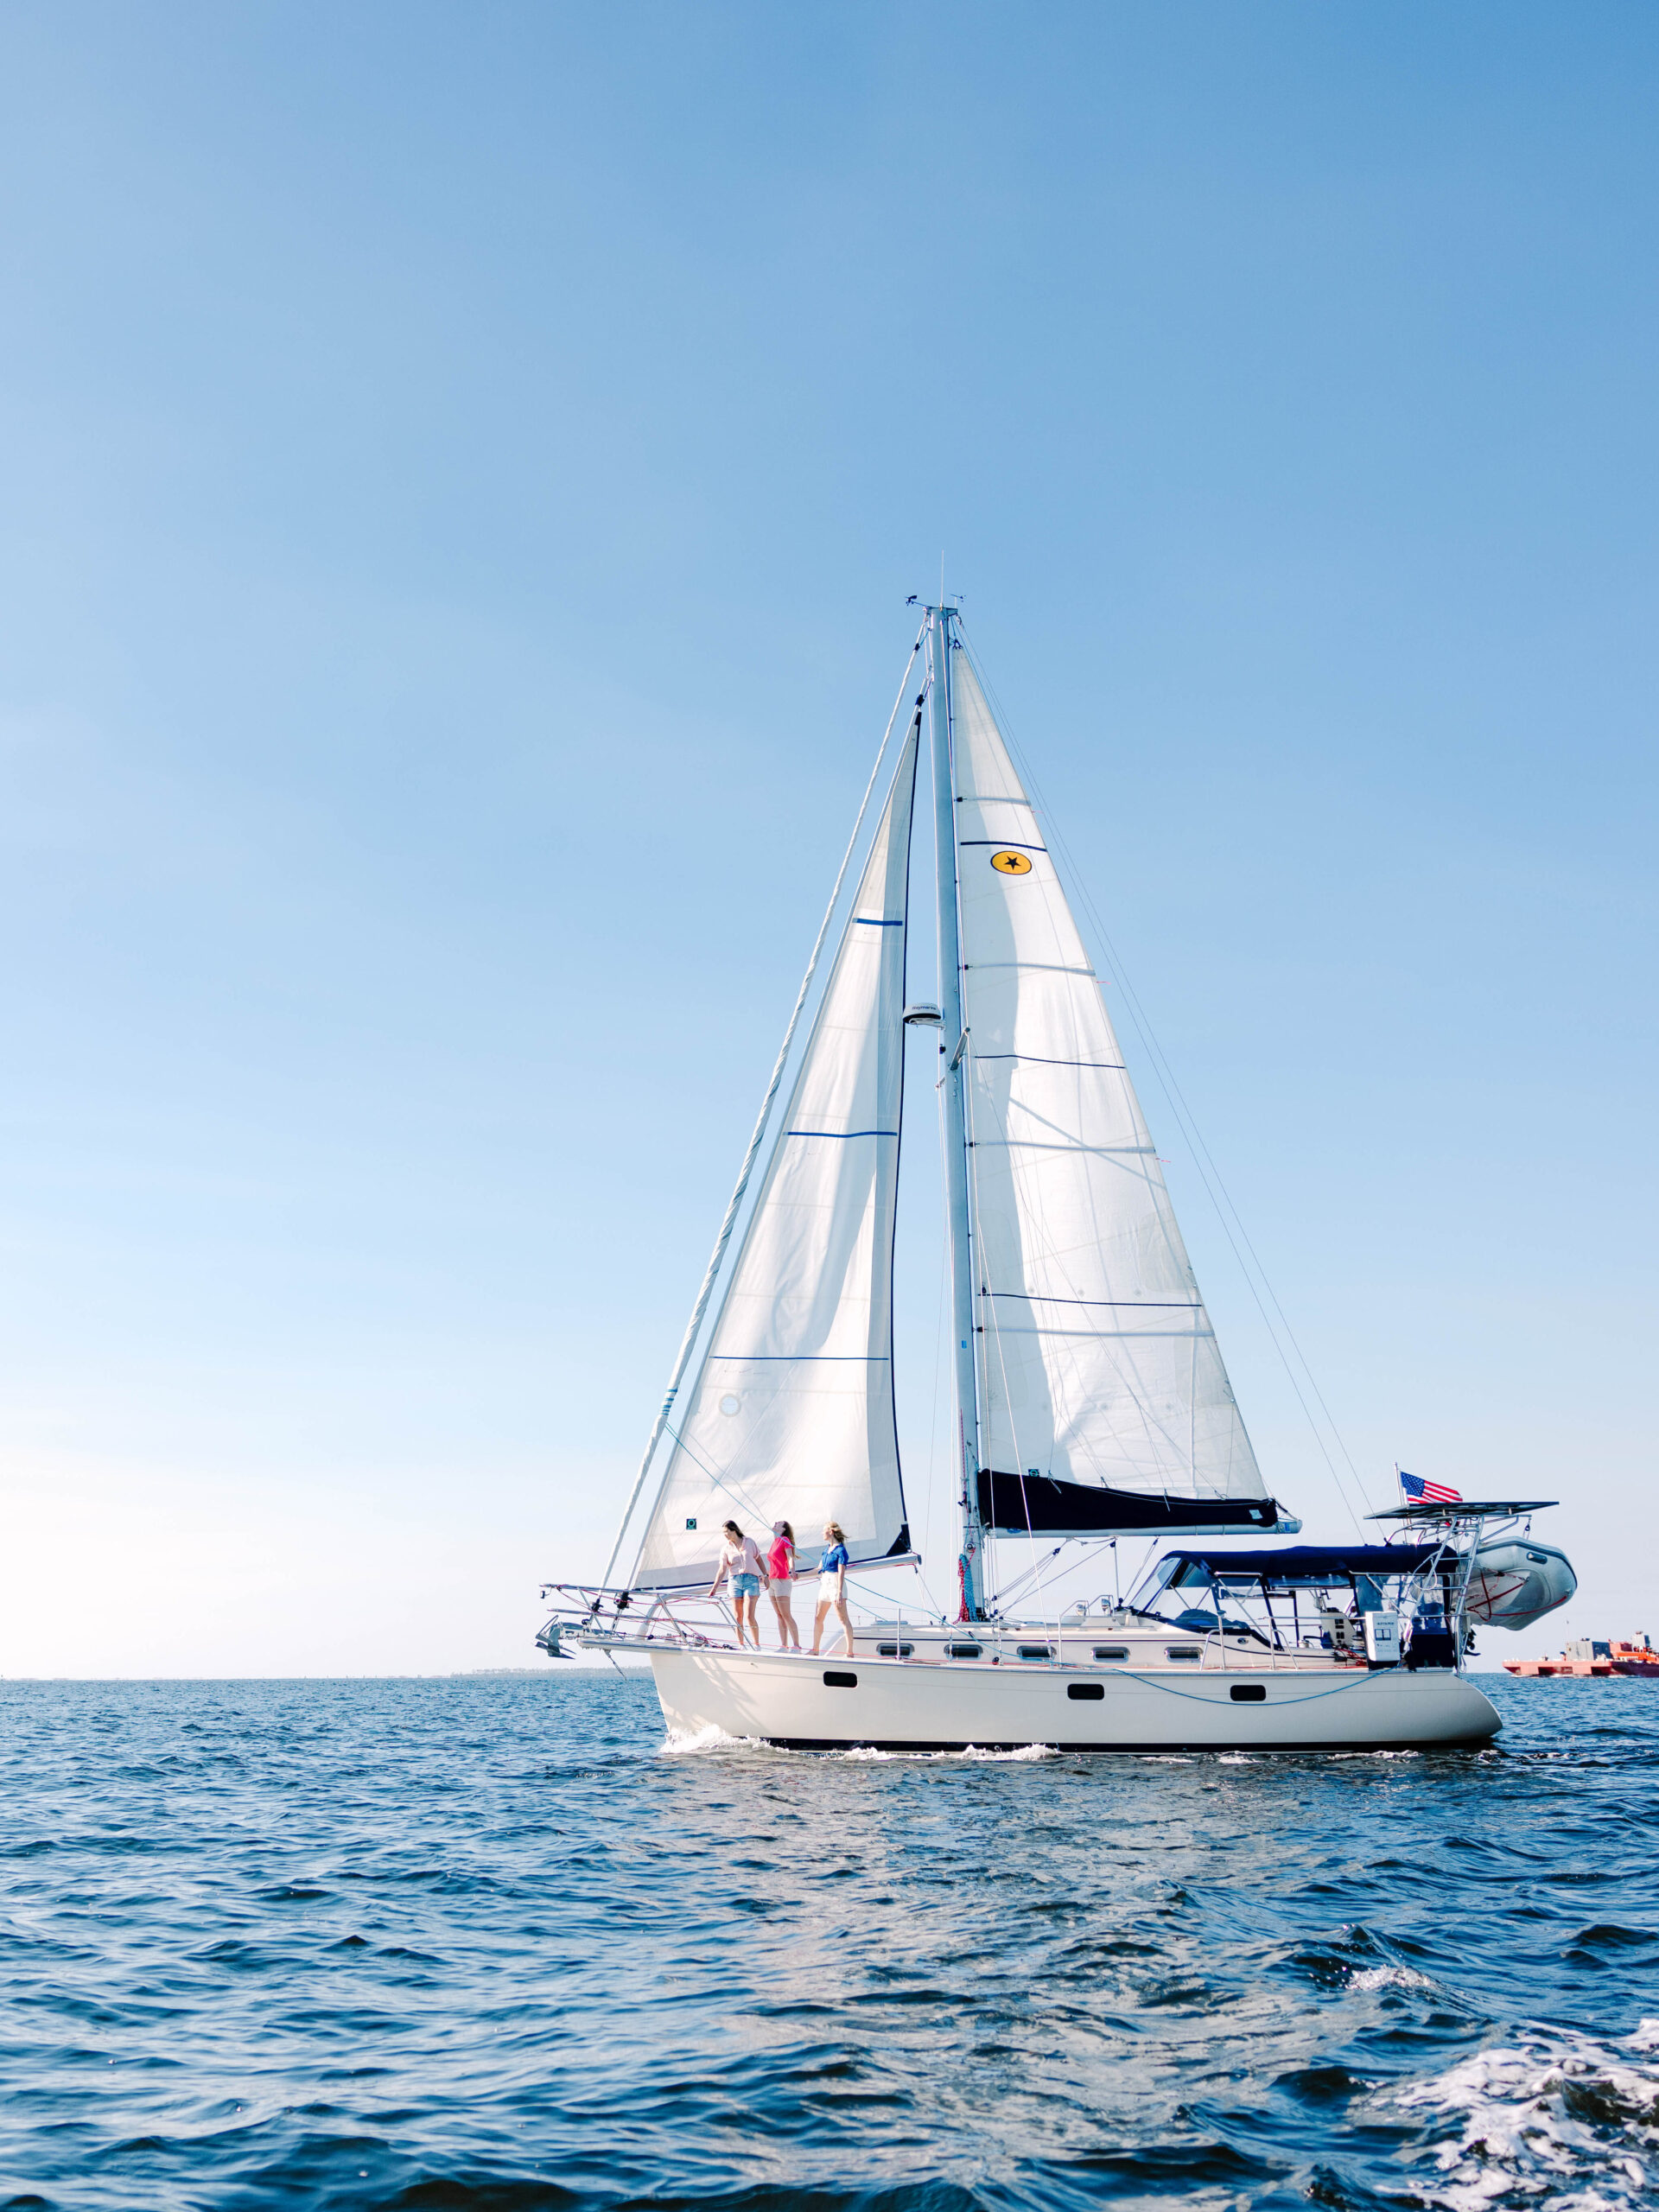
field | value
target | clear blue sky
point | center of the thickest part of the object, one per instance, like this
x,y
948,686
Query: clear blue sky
x,y
462,472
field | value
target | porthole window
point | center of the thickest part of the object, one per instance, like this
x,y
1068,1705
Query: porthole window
x,y
1036,1651
1182,1655
1111,1651
894,1650
964,1650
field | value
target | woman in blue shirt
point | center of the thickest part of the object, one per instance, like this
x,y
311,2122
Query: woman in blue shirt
x,y
832,1585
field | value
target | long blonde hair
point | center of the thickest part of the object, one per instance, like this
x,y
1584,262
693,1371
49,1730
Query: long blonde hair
x,y
834,1530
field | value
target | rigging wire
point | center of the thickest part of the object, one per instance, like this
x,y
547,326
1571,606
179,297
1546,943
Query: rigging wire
x,y
1209,1173
1053,1553
733,1489
692,1327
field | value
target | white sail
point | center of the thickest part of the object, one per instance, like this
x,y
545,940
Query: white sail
x,y
791,1413
1098,1362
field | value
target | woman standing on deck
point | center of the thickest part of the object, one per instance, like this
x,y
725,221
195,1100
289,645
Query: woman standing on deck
x,y
832,1585
740,1558
780,1566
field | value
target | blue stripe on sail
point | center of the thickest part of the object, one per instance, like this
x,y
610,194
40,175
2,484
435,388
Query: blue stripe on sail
x,y
785,1358
869,922
841,1136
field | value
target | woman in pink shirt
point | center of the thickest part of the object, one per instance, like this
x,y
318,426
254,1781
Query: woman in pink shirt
x,y
740,1558
780,1566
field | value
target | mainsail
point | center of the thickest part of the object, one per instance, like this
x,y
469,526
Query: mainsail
x,y
791,1413
1103,1402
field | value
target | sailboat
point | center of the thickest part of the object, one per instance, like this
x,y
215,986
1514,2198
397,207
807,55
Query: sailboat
x,y
1092,1400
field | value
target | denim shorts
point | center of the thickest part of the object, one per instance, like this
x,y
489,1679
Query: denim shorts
x,y
745,1585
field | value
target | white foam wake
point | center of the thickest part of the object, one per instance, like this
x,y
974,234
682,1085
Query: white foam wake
x,y
970,1751
679,1741
1553,2118
1391,1978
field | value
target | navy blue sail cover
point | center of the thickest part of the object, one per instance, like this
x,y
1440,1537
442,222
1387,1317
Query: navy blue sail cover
x,y
1042,1505
1297,1567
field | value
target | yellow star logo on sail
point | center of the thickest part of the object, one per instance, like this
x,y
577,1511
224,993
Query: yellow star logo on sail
x,y
1011,863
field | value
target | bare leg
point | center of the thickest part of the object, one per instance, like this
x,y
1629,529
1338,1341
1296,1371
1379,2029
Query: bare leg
x,y
842,1616
817,1625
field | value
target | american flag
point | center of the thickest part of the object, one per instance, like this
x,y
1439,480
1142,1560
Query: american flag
x,y
1417,1492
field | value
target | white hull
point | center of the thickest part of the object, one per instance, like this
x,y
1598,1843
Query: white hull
x,y
893,1705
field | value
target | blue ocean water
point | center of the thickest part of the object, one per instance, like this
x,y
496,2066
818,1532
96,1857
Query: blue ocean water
x,y
488,1944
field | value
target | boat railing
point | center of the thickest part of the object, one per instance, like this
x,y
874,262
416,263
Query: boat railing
x,y
589,1616
601,1618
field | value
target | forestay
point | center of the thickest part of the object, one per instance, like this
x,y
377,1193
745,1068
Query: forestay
x,y
791,1413
1098,1363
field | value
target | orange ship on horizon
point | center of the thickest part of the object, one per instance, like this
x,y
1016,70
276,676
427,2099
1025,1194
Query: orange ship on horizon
x,y
1589,1656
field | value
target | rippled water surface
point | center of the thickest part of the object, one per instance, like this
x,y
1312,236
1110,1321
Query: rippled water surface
x,y
488,1944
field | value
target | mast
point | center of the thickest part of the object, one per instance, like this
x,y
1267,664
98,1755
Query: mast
x,y
940,620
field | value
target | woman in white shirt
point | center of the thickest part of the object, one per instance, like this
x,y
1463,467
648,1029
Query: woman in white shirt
x,y
832,1587
740,1558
